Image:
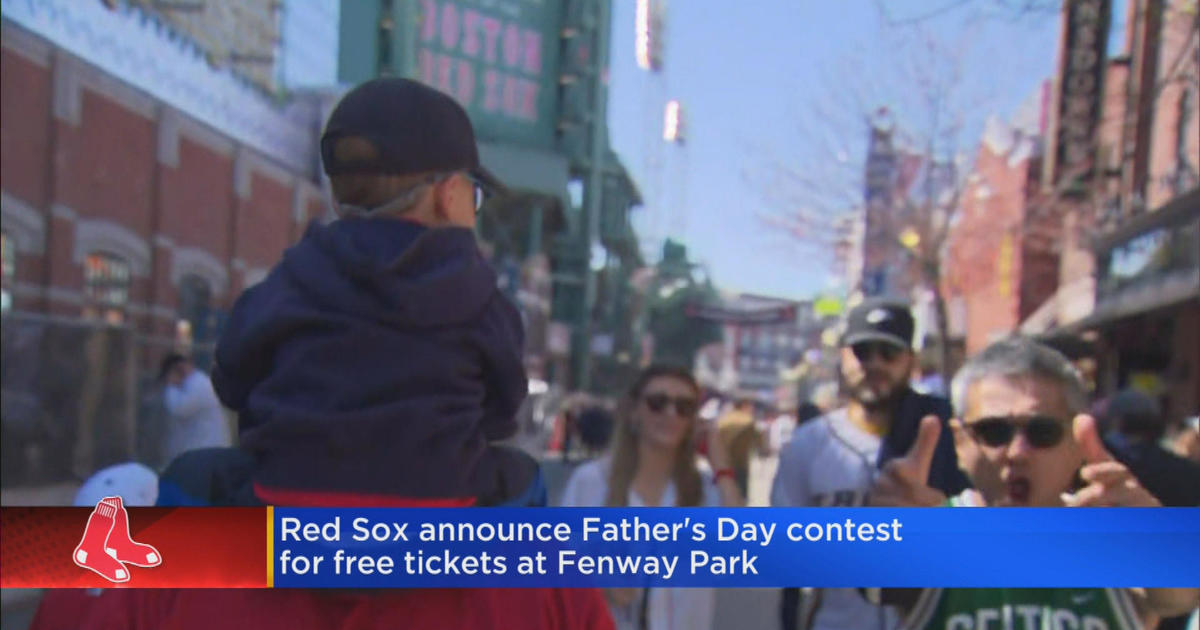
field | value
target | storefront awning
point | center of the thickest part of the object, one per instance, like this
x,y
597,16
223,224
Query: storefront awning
x,y
1166,291
1147,264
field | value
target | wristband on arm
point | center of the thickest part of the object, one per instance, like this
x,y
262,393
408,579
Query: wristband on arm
x,y
722,472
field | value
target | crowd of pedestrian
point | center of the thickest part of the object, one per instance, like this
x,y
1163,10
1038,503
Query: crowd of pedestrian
x,y
378,365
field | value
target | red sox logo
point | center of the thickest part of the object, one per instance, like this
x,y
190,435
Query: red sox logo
x,y
106,546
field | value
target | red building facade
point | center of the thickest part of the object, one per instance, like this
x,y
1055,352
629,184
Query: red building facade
x,y
120,207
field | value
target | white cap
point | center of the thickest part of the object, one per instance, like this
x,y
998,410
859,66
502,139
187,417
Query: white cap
x,y
135,483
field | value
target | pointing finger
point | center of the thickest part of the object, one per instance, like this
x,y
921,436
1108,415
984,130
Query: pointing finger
x,y
920,456
1105,473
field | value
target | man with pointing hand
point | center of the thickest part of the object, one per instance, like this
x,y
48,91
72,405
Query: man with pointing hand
x,y
1022,441
832,460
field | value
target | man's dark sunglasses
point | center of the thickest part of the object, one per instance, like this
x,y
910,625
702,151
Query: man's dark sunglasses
x,y
684,405
1041,431
865,350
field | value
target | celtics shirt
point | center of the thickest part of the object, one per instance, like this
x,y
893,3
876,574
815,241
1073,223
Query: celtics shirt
x,y
1021,608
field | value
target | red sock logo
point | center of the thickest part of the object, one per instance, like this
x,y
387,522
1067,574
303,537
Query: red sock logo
x,y
121,546
106,546
90,552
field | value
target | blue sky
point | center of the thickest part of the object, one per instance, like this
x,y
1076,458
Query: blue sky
x,y
748,78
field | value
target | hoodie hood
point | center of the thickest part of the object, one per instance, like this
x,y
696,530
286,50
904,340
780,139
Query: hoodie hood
x,y
394,272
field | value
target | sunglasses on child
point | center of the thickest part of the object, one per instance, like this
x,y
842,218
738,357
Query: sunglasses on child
x,y
482,192
1040,431
684,405
867,349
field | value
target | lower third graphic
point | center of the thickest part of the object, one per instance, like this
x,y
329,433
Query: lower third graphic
x,y
106,546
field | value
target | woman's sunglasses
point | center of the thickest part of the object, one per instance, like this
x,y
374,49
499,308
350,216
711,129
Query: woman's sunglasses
x,y
1041,431
684,405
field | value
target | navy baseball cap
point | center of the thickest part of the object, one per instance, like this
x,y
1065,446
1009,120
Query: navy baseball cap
x,y
413,128
880,320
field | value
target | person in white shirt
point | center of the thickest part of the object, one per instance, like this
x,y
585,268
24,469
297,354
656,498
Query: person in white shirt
x,y
652,463
196,418
832,460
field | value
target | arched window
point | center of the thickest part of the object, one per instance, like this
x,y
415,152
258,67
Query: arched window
x,y
106,282
10,271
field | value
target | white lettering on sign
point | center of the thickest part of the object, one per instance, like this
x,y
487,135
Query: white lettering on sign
x,y
486,63
1024,617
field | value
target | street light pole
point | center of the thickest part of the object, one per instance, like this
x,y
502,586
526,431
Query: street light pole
x,y
599,142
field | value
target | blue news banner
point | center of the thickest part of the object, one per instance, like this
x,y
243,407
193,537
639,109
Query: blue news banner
x,y
748,547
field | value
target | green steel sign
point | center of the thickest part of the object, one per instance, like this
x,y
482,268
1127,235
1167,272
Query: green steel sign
x,y
498,58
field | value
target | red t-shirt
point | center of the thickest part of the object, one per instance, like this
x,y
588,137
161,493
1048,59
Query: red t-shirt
x,y
63,608
295,609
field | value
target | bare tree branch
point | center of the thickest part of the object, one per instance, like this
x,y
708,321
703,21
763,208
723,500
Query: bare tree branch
x,y
1013,10
928,15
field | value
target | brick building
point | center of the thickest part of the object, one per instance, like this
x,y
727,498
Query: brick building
x,y
142,186
1001,262
1146,210
1090,234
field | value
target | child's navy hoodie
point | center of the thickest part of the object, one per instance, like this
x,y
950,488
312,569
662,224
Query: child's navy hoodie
x,y
378,359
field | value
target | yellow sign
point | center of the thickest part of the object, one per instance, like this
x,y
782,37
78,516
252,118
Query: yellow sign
x,y
1004,265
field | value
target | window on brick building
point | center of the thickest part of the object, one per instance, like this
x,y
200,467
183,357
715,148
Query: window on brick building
x,y
106,282
196,326
10,271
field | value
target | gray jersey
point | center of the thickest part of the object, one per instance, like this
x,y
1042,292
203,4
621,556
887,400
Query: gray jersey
x,y
830,462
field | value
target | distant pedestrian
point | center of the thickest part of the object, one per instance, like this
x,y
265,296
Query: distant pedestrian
x,y
739,431
570,426
196,419
1136,426
929,379
595,426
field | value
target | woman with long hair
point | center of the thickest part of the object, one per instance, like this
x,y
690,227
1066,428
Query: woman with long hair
x,y
652,463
